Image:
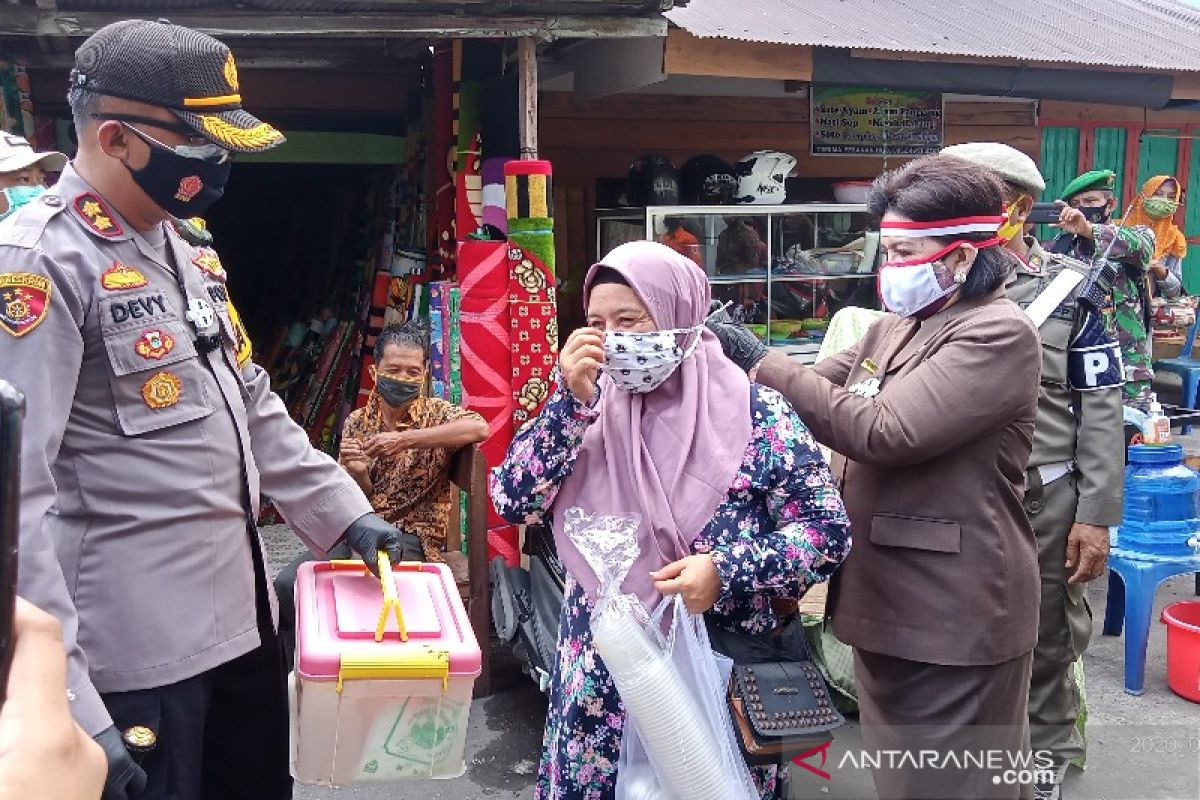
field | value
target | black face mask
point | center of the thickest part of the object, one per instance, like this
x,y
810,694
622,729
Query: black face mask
x,y
396,393
1095,214
183,187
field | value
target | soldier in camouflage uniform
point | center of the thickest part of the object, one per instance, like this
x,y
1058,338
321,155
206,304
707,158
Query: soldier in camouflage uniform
x,y
1087,234
1074,478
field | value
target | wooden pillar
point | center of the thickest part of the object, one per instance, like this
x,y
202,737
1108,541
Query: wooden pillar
x,y
528,94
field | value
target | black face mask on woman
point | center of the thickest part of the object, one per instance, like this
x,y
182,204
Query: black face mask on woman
x,y
183,187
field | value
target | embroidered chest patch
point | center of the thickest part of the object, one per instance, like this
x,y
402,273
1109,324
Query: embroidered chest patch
x,y
162,390
119,277
210,263
154,344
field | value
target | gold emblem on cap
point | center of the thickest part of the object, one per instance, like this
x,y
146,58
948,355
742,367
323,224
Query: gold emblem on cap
x,y
231,76
261,135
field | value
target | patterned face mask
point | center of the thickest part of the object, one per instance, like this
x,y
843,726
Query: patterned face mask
x,y
640,362
909,287
1159,207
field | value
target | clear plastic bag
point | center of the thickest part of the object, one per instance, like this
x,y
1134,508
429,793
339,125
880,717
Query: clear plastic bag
x,y
678,742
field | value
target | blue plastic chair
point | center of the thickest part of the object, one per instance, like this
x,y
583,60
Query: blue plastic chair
x,y
1133,603
1187,368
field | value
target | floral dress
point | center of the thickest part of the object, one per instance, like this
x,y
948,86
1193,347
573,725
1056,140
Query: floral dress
x,y
781,529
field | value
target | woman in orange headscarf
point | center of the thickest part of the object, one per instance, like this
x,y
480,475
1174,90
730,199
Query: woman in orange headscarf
x,y
1155,208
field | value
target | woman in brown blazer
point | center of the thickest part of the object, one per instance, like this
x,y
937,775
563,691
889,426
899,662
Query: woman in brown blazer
x,y
932,414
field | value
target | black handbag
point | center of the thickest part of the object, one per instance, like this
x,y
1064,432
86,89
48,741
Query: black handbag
x,y
778,700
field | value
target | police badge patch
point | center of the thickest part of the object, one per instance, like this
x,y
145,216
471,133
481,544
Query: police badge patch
x,y
210,263
154,344
162,390
1094,358
24,301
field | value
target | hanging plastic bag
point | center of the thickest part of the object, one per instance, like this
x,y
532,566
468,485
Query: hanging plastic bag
x,y
678,743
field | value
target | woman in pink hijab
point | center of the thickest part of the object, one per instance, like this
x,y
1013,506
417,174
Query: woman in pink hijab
x,y
739,511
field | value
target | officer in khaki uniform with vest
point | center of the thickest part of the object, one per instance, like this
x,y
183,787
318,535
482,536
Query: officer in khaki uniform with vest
x,y
150,431
1075,474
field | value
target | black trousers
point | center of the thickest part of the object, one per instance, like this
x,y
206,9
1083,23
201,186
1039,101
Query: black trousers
x,y
223,734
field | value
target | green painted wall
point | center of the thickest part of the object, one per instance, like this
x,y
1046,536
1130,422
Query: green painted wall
x,y
1191,224
1060,163
1110,154
1156,156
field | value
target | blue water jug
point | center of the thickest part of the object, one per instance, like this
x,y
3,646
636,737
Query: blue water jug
x,y
1162,502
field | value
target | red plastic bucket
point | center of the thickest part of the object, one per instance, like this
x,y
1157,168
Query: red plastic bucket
x,y
1183,648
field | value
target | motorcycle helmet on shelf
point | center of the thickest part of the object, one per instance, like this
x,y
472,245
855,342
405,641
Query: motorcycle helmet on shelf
x,y
706,180
761,177
652,181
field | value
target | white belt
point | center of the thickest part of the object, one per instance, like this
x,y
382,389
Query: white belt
x,y
1049,473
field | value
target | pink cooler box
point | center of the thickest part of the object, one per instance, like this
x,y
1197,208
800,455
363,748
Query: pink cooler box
x,y
367,710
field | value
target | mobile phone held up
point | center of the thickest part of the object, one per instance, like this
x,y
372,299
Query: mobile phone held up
x,y
1045,213
12,411
1049,213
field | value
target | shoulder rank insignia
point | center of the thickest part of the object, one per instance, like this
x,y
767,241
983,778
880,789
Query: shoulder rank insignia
x,y
24,301
162,390
97,216
120,277
153,345
210,263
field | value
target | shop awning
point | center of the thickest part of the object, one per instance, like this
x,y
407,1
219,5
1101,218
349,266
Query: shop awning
x,y
542,19
1131,34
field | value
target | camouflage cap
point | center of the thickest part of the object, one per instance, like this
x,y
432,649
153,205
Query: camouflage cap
x,y
189,73
1090,181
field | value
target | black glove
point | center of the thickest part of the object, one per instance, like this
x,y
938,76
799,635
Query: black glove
x,y
740,345
369,534
125,778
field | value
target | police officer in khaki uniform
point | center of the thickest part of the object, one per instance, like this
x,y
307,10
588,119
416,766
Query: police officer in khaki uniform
x,y
150,431
1075,474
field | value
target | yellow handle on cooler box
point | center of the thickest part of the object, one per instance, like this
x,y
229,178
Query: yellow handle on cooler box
x,y
387,584
390,600
427,662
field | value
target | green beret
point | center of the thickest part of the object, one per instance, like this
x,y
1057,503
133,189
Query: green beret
x,y
1089,181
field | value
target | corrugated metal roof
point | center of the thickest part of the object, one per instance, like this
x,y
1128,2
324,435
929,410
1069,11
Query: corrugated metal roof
x,y
465,7
1145,34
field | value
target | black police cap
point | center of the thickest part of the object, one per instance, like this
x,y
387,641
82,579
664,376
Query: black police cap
x,y
189,73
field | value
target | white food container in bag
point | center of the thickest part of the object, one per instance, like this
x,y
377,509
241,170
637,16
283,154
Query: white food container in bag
x,y
383,680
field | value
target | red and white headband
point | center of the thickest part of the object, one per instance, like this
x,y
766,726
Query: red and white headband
x,y
941,227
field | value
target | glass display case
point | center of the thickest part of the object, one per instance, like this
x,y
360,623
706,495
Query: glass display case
x,y
783,270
